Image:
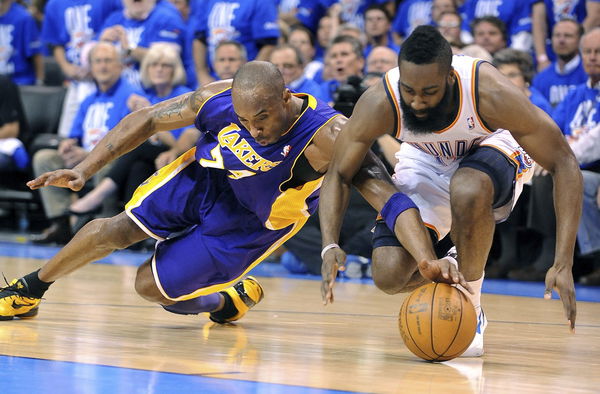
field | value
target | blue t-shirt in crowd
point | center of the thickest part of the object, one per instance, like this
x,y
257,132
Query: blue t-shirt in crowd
x,y
150,94
557,10
19,42
73,23
353,11
100,112
412,13
164,24
539,100
579,112
244,21
555,85
516,14
309,12
305,85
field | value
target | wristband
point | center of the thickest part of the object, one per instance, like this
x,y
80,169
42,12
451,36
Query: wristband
x,y
326,248
397,204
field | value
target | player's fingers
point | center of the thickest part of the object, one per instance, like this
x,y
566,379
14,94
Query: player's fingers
x,y
570,306
463,282
550,282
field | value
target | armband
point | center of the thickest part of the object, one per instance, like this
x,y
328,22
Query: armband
x,y
397,204
326,248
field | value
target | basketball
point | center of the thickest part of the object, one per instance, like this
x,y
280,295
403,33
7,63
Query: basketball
x,y
437,322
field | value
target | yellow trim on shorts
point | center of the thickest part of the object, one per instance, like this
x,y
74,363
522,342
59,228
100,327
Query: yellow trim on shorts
x,y
221,286
155,181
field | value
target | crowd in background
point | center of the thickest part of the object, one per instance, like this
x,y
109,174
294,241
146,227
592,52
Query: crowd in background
x,y
117,56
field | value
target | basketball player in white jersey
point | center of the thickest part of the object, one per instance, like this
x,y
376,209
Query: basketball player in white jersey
x,y
462,125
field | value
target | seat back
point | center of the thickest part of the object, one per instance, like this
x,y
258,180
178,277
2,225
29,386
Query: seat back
x,y
42,106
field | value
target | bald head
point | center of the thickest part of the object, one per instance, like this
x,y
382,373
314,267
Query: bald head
x,y
258,79
590,54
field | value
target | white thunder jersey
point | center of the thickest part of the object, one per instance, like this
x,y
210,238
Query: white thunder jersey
x,y
427,161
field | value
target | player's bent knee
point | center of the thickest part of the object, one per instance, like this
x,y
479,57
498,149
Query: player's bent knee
x,y
145,285
392,268
470,189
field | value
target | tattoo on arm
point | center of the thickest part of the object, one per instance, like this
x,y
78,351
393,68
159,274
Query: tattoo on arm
x,y
109,147
174,109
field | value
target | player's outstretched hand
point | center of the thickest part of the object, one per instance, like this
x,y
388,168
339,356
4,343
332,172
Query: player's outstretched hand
x,y
334,260
561,280
443,271
69,179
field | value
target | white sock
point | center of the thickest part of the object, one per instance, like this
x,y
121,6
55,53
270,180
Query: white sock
x,y
475,298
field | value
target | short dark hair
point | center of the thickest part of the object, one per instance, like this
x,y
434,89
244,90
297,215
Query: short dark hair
x,y
492,20
521,59
381,8
303,28
567,18
426,45
240,47
297,53
357,47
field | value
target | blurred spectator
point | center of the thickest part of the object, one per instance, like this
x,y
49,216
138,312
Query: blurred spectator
x,y
567,71
346,59
229,57
325,31
381,59
20,46
514,14
68,26
411,14
98,113
577,115
184,8
474,50
13,130
518,67
163,77
352,11
378,23
440,7
304,40
288,60
139,25
253,23
449,25
546,13
489,32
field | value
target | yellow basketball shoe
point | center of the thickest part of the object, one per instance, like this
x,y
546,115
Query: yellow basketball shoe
x,y
239,298
15,301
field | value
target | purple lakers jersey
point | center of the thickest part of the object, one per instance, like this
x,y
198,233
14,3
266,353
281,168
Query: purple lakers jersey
x,y
257,174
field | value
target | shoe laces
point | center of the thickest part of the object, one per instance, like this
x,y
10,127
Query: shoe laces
x,y
17,290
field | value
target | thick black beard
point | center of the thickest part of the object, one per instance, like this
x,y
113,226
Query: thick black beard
x,y
438,117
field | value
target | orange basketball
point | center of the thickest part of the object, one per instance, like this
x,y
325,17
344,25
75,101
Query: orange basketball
x,y
437,322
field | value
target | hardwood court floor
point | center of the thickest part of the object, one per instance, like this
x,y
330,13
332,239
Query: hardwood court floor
x,y
93,317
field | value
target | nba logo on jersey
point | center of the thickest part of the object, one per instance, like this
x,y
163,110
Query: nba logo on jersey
x,y
470,123
286,150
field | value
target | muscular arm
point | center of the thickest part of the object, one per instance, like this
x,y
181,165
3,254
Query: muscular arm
x,y
138,126
502,105
351,163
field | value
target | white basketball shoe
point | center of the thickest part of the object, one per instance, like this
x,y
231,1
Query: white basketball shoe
x,y
475,349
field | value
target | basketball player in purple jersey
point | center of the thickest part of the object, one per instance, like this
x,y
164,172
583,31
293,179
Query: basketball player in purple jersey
x,y
460,122
250,183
